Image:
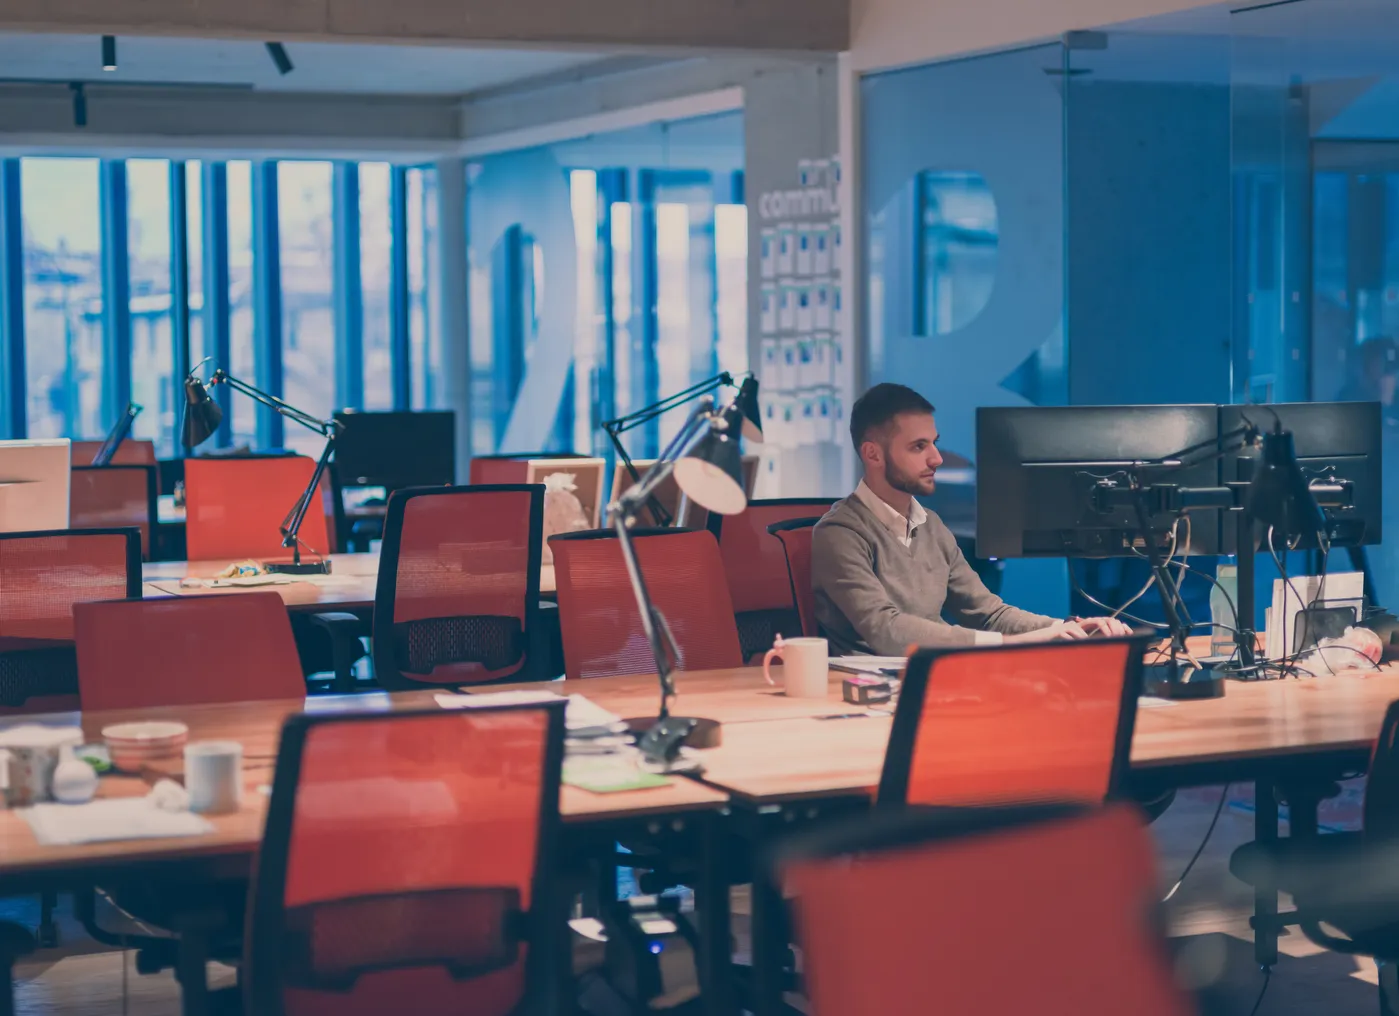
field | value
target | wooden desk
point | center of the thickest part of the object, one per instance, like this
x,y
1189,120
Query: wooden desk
x,y
1256,726
350,585
257,726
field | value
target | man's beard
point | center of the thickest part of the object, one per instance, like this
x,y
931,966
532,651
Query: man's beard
x,y
902,481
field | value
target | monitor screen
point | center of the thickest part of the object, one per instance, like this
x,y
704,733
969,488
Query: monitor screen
x,y
1339,440
395,450
1037,468
34,485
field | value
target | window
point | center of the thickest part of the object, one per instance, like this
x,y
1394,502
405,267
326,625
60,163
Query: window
x,y
152,353
308,316
62,296
425,342
240,296
375,253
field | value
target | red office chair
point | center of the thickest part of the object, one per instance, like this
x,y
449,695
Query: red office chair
x,y
458,594
42,576
405,865
795,537
103,497
509,468
234,507
186,650
1345,880
602,633
915,911
1050,721
757,569
131,452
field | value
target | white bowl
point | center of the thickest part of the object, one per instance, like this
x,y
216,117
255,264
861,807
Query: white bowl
x,y
130,744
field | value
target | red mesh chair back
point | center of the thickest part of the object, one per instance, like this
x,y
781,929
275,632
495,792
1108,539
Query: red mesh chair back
x,y
106,497
1050,721
914,912
602,633
42,576
186,650
458,592
235,506
794,536
131,452
404,864
756,568
511,468
497,469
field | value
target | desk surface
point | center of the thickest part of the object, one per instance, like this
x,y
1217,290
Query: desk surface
x,y
349,586
257,726
774,748
794,758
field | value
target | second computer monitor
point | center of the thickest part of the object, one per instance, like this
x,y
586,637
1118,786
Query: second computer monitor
x,y
396,450
34,485
1334,440
1036,468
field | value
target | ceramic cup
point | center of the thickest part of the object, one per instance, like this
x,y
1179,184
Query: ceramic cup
x,y
214,776
805,666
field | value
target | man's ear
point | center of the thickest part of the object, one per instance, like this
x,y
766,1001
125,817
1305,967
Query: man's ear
x,y
871,453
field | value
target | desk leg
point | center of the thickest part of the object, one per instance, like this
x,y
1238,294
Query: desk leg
x,y
1265,902
769,944
712,904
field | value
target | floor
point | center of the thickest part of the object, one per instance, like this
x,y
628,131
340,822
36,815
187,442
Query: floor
x,y
1208,917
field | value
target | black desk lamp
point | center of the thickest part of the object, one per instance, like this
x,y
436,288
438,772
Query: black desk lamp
x,y
1276,494
705,460
203,416
745,404
119,433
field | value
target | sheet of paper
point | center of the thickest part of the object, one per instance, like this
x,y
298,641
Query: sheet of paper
x,y
1302,591
582,714
122,818
609,774
878,666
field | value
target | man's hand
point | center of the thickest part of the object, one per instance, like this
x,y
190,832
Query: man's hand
x,y
1073,628
1056,632
1106,626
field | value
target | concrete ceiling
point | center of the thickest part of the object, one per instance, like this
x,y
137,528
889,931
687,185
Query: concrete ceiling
x,y
348,68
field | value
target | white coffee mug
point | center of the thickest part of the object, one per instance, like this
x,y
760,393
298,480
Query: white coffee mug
x,y
805,666
214,776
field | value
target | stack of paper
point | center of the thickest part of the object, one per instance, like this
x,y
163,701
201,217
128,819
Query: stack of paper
x,y
1300,593
118,818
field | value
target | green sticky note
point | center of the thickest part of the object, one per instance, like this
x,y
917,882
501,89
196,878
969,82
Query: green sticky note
x,y
613,780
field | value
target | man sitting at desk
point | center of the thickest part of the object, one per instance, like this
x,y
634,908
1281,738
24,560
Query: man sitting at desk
x,y
886,572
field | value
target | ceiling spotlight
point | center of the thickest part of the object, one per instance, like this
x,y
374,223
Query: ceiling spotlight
x,y
278,53
109,52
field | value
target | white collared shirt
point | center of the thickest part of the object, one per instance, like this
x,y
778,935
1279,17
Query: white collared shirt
x,y
900,525
903,528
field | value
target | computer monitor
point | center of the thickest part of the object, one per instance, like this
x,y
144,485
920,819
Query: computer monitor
x,y
34,485
1339,440
395,450
1037,466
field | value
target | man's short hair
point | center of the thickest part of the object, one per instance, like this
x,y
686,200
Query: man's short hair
x,y
876,409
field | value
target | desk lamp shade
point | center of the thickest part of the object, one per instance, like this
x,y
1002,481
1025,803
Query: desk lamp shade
x,y
711,472
747,404
202,414
1280,496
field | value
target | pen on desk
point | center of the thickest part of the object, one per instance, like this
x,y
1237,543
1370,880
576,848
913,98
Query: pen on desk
x,y
844,716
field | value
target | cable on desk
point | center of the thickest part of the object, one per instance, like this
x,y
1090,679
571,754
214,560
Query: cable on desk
x,y
1219,809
